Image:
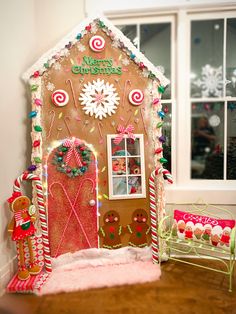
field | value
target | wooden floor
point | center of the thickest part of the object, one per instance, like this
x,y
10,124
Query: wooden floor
x,y
182,289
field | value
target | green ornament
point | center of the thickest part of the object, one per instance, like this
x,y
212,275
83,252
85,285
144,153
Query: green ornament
x,y
64,149
101,24
46,65
59,159
84,153
159,124
33,88
163,160
74,170
37,160
37,128
161,89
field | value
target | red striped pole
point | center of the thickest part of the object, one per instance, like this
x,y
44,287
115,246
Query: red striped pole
x,y
153,209
42,213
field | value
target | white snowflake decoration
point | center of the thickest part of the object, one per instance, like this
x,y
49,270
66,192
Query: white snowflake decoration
x,y
50,86
99,99
125,61
57,66
211,82
81,47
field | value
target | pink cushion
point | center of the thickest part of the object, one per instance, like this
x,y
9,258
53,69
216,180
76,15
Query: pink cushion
x,y
202,228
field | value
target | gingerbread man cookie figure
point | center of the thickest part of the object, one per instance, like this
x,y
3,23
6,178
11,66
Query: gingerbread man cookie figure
x,y
111,231
22,228
138,228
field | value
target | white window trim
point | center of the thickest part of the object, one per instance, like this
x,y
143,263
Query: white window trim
x,y
185,189
110,175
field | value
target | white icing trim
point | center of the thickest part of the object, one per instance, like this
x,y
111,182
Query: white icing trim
x,y
71,37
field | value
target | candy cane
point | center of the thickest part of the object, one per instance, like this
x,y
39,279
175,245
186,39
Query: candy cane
x,y
153,214
100,132
153,209
144,124
42,213
71,212
67,125
72,208
72,90
53,113
125,89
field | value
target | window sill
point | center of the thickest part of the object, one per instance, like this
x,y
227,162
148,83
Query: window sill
x,y
221,195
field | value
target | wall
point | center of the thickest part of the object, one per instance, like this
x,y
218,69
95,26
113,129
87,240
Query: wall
x,y
125,7
27,29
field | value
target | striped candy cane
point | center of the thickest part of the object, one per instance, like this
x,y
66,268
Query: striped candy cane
x,y
153,210
42,213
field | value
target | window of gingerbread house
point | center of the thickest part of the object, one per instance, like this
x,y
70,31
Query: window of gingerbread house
x,y
126,168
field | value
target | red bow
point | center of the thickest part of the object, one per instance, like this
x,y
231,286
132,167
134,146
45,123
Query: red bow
x,y
122,131
71,144
13,197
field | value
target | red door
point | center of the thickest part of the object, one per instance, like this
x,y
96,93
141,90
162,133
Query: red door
x,y
72,205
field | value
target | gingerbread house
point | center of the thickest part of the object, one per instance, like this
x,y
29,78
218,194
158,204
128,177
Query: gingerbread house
x,y
96,142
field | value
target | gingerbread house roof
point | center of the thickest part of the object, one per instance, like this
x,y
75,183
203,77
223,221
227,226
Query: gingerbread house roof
x,y
63,46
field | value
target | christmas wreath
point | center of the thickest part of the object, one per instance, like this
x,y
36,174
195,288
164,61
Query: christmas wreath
x,y
82,155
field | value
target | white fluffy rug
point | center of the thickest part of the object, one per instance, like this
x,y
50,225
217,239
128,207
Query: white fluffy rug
x,y
96,268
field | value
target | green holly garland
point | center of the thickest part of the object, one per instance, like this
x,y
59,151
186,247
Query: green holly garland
x,y
72,172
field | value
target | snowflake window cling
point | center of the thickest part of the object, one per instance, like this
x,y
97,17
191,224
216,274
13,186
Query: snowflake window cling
x,y
99,99
211,81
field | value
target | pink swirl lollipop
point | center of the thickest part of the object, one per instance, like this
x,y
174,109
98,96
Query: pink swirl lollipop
x,y
60,98
97,43
136,97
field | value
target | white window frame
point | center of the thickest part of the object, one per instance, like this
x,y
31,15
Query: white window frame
x,y
110,174
184,188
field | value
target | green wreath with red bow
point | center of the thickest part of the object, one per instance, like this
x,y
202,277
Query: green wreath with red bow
x,y
63,154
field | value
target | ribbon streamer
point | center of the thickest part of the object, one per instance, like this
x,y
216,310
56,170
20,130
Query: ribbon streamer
x,y
71,144
123,131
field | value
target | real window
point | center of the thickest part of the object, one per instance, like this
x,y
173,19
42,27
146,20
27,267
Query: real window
x,y
126,167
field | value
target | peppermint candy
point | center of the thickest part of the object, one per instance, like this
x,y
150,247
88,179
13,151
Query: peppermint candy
x,y
136,97
97,43
60,98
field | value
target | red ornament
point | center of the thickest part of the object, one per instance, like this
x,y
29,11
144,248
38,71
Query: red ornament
x,y
141,65
36,143
82,148
84,163
88,28
60,153
36,74
68,170
166,109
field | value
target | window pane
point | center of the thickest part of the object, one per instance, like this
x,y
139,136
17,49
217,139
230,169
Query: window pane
x,y
118,165
207,58
119,186
155,43
134,165
130,31
230,58
118,150
166,131
231,144
133,147
135,185
207,140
